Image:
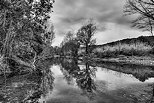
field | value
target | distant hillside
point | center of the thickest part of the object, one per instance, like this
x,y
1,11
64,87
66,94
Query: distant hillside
x,y
140,46
144,39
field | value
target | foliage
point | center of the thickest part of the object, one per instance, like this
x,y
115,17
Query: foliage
x,y
70,45
24,30
56,50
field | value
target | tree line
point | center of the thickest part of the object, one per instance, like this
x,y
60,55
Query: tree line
x,y
25,34
83,39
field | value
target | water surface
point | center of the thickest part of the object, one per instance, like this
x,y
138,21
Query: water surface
x,y
71,81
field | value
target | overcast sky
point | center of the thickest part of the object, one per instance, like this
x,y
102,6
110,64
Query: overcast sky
x,y
108,14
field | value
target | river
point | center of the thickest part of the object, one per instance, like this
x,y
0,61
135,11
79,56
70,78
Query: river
x,y
73,81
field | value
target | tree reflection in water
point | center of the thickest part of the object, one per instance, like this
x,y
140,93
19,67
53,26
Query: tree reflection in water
x,y
83,74
28,88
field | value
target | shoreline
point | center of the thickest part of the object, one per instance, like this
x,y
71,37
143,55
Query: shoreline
x,y
134,60
122,59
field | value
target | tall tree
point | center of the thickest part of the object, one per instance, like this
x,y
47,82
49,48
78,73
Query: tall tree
x,y
70,44
85,36
24,22
144,10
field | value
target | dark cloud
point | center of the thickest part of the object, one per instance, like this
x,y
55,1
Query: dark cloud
x,y
73,11
69,14
72,20
123,20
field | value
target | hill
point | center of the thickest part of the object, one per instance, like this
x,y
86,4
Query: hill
x,y
141,46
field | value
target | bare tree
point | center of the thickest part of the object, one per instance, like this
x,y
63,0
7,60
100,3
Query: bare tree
x,y
85,35
144,10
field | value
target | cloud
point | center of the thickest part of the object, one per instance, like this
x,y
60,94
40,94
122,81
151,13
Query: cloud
x,y
117,32
73,11
71,14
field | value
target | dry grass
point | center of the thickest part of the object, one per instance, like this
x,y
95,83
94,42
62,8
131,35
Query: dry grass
x,y
138,49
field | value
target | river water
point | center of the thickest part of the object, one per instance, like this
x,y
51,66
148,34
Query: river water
x,y
73,81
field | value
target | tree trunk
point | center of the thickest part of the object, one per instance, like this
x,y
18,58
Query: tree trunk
x,y
6,47
87,47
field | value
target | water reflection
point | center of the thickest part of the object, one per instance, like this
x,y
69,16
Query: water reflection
x,y
84,75
28,88
85,78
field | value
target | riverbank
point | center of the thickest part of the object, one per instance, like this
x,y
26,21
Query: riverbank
x,y
137,60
